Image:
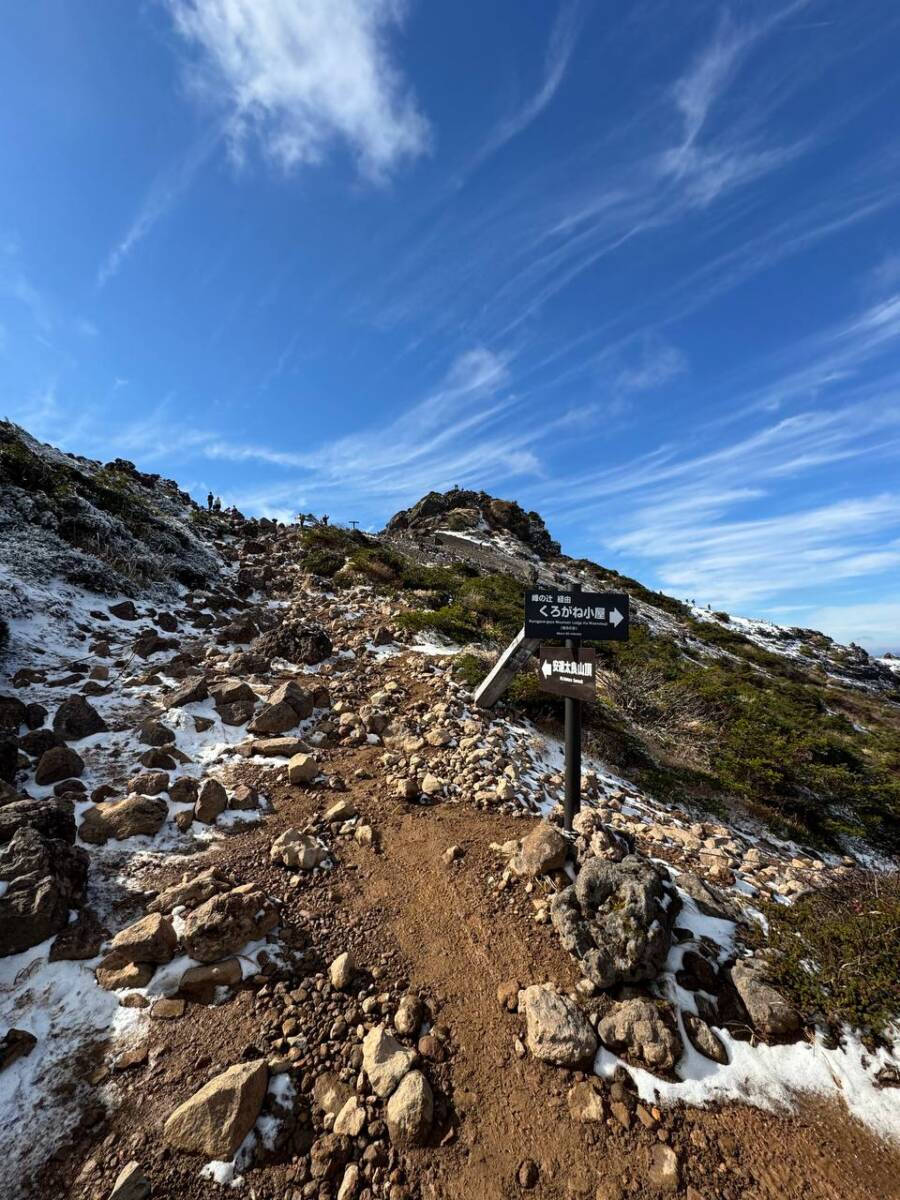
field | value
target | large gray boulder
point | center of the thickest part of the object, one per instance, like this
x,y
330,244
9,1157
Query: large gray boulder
x,y
215,1120
296,641
644,1030
385,1060
410,1111
773,1017
45,878
77,718
224,924
558,1032
616,919
134,816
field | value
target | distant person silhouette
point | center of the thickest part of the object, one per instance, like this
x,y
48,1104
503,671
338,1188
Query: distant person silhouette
x,y
209,502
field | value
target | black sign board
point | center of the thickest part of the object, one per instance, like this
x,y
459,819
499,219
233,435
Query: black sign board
x,y
568,672
552,612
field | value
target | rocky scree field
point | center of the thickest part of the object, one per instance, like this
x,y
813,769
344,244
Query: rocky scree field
x,y
281,910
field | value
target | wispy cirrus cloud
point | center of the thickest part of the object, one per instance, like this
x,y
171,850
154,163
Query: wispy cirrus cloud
x,y
563,38
298,76
165,192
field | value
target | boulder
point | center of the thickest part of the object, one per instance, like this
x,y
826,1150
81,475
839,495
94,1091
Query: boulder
x,y
44,878
385,1061
76,718
279,747
302,768
36,741
135,816
224,924
773,1017
212,801
645,1031
558,1032
409,1111
152,939
409,1014
351,1118
238,713
341,971
79,939
663,1173
300,700
131,1183
215,1120
149,783
191,891
9,759
295,641
274,719
585,1102
124,610
244,798
13,713
330,1093
15,1044
543,849
126,975
184,790
58,763
297,850
200,983
192,691
232,691
52,817
703,1039
154,733
616,919
709,900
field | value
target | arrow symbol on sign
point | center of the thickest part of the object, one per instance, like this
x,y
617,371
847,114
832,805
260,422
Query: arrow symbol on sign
x,y
546,669
615,618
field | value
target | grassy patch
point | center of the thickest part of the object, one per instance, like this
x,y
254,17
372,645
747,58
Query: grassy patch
x,y
839,949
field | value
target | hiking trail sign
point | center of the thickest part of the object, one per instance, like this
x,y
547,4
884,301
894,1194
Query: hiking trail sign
x,y
568,613
568,672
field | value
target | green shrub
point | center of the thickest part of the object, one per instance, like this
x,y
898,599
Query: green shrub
x,y
838,951
451,620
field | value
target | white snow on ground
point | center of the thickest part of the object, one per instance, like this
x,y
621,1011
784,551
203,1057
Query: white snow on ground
x,y
892,664
765,1076
61,1004
771,1077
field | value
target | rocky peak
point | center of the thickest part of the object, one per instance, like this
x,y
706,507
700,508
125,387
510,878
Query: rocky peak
x,y
464,511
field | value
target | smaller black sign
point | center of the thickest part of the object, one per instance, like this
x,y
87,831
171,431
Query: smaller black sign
x,y
568,672
552,612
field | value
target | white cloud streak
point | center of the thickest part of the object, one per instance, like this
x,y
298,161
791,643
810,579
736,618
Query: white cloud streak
x,y
166,191
563,38
297,76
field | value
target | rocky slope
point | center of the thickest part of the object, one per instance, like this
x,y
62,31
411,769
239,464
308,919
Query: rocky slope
x,y
280,907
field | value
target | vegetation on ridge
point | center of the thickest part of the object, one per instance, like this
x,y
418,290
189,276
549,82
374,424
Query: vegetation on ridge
x,y
837,950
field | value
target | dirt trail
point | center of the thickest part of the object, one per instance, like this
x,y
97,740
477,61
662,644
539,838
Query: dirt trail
x,y
460,944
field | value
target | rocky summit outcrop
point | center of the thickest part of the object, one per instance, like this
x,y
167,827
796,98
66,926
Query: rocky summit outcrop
x,y
616,919
461,510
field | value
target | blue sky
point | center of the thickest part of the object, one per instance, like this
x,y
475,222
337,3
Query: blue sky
x,y
634,264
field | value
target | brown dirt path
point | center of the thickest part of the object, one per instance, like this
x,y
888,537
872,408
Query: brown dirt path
x,y
460,942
